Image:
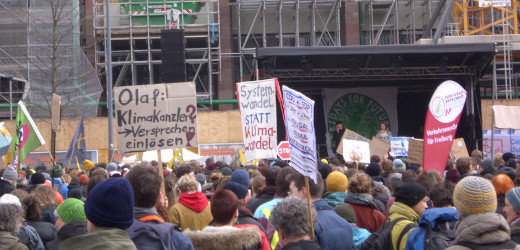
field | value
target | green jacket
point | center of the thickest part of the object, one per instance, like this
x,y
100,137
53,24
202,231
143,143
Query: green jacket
x,y
398,210
10,241
103,238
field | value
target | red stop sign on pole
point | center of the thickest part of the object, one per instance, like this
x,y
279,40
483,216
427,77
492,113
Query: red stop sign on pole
x,y
283,151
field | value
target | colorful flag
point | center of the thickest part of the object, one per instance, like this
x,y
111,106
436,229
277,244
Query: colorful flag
x,y
27,136
77,149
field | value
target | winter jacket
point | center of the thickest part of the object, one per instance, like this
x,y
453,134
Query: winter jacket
x,y
367,216
442,220
69,230
102,239
331,231
48,214
303,245
46,230
501,202
225,238
334,199
5,187
193,211
483,231
176,239
29,237
255,202
399,210
359,235
515,230
9,241
262,214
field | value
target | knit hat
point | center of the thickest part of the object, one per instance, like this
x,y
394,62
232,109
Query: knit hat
x,y
453,175
474,195
512,195
201,178
373,169
240,176
10,173
226,171
396,179
346,211
111,204
337,182
111,167
487,167
74,193
399,166
9,199
71,209
82,179
37,178
507,156
56,171
237,188
88,165
410,193
508,171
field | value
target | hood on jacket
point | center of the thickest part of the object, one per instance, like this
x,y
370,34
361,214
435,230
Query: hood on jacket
x,y
399,209
483,229
195,201
8,240
71,229
430,216
224,238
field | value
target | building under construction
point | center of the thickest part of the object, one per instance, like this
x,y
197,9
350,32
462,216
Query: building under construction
x,y
306,44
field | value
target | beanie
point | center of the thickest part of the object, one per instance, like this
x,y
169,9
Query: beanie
x,y
201,178
71,209
410,193
399,166
346,212
88,165
337,182
453,175
74,193
396,179
474,195
10,173
240,176
373,169
513,196
9,199
111,204
237,188
56,171
487,167
111,167
82,179
508,171
507,156
226,171
37,178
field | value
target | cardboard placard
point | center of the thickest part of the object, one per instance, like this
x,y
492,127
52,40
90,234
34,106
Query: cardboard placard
x,y
56,112
458,148
350,135
415,150
379,147
356,151
158,116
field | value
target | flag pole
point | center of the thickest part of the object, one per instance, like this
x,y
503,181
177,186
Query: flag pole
x,y
309,206
160,170
48,151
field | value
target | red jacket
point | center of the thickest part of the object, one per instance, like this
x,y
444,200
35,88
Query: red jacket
x,y
369,218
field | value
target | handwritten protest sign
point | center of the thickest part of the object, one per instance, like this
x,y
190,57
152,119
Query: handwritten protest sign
x,y
299,116
158,116
358,151
399,146
257,102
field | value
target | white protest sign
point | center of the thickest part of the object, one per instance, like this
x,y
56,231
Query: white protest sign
x,y
257,102
399,146
356,151
158,116
299,118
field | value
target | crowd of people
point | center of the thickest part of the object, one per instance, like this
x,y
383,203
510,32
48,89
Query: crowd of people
x,y
387,204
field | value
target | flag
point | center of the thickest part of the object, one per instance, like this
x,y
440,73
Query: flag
x,y
77,148
27,136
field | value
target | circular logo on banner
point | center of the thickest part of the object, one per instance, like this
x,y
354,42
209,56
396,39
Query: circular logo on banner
x,y
448,101
358,113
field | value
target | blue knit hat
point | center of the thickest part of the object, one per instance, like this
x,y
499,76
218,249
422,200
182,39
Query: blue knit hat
x,y
111,204
240,176
237,188
399,166
513,196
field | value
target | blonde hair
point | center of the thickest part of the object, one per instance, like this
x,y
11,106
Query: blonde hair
x,y
45,196
187,184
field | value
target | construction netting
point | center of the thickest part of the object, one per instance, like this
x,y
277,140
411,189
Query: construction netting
x,y
40,42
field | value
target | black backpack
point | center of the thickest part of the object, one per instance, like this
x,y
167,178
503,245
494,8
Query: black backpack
x,y
440,237
382,239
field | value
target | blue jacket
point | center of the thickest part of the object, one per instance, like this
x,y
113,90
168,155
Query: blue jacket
x,y
360,235
331,231
336,198
430,218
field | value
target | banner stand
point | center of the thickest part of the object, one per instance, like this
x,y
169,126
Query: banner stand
x,y
309,206
160,170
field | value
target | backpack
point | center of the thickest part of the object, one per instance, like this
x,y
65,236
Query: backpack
x,y
150,235
382,239
440,237
30,238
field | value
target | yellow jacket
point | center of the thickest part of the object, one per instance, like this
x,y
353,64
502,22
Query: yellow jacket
x,y
398,210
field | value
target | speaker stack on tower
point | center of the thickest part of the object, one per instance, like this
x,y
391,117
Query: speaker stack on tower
x,y
173,56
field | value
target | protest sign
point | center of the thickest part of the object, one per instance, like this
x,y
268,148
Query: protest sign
x,y
358,151
399,146
442,120
458,149
5,140
299,118
257,102
415,151
158,116
378,147
503,141
350,135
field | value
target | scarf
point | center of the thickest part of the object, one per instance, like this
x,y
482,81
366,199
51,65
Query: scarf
x,y
361,199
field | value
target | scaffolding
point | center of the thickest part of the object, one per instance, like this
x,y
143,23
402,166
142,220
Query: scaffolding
x,y
136,41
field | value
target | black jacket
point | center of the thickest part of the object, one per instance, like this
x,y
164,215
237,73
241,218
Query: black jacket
x,y
69,230
303,245
255,202
46,230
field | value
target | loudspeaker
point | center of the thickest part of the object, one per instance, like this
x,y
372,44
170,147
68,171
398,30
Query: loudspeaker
x,y
173,56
